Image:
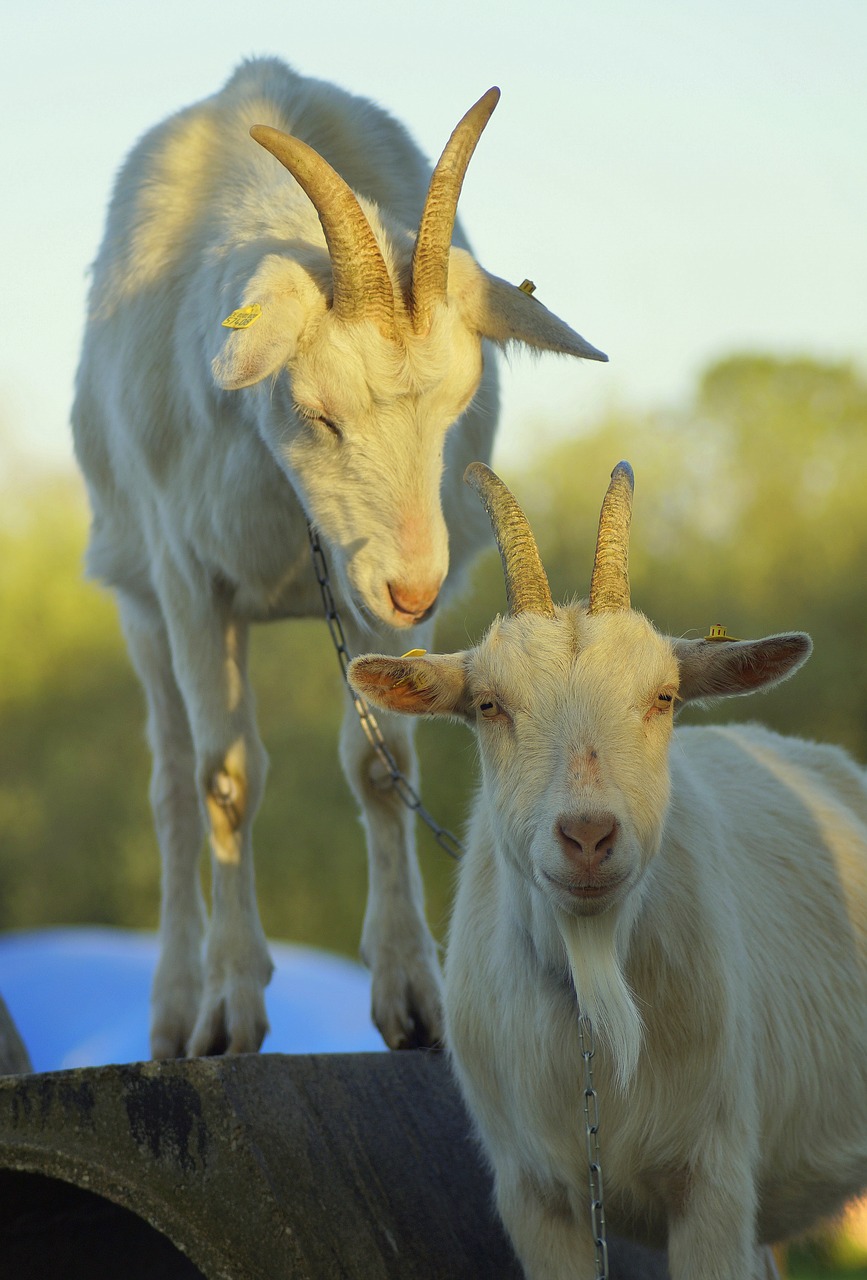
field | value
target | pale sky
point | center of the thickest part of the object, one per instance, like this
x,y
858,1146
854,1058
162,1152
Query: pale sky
x,y
681,178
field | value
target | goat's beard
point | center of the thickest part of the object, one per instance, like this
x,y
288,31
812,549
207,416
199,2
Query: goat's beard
x,y
594,948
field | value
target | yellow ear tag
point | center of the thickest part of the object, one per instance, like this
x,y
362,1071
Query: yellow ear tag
x,y
719,633
527,286
414,653
243,317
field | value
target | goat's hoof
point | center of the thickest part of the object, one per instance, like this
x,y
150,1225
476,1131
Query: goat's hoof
x,y
420,1038
165,1047
411,1018
171,1025
228,1024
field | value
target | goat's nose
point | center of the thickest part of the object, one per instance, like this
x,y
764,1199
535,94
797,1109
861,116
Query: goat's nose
x,y
418,601
586,839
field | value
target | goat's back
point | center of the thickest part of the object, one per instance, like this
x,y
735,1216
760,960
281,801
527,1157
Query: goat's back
x,y
197,181
758,905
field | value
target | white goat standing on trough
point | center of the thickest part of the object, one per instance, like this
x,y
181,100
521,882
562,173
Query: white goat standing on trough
x,y
703,895
354,345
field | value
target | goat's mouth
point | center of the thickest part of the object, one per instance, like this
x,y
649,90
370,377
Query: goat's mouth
x,y
409,608
404,618
383,611
589,891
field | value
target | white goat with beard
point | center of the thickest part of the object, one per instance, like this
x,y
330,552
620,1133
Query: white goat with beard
x,y
703,894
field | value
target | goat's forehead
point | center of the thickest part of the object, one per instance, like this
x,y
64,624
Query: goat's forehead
x,y
356,361
620,650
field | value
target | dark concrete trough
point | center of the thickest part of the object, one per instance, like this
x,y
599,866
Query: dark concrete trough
x,y
260,1167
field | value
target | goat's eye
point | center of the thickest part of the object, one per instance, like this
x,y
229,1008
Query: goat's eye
x,y
320,420
332,426
490,709
662,703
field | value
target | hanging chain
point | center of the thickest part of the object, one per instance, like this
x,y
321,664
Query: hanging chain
x,y
594,1165
454,849
367,720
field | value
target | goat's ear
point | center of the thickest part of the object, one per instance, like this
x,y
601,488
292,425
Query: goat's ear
x,y
433,685
275,302
725,668
255,350
504,313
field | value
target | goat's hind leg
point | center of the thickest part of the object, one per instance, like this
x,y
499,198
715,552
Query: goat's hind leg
x,y
209,655
177,985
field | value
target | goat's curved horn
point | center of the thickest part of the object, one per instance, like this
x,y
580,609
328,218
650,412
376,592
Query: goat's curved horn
x,y
609,584
527,589
430,260
362,286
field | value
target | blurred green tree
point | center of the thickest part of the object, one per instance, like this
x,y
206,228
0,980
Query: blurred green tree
x,y
748,512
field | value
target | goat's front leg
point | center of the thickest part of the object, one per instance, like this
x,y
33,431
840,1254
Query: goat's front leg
x,y
550,1234
396,944
209,654
714,1236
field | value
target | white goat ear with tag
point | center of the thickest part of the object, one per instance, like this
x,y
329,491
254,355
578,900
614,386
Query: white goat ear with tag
x,y
725,668
506,312
262,336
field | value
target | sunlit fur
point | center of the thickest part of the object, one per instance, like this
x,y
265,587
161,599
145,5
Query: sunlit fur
x,y
205,449
725,972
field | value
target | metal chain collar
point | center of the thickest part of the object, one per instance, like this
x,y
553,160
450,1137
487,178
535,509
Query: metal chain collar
x,y
454,849
594,1165
370,728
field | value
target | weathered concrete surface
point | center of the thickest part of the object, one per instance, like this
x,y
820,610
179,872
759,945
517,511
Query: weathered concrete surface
x,y
14,1058
262,1167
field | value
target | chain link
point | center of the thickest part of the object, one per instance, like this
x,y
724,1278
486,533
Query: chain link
x,y
594,1164
454,849
367,720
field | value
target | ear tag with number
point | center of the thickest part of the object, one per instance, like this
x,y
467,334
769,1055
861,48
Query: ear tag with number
x,y
718,632
243,317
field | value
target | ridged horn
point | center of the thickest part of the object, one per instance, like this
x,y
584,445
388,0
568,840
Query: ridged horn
x,y
609,584
527,589
430,260
362,286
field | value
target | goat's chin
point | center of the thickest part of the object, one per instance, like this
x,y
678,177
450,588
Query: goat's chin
x,y
379,619
374,610
584,904
400,621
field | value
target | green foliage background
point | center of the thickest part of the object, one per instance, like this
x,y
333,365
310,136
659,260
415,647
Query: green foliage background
x,y
749,511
